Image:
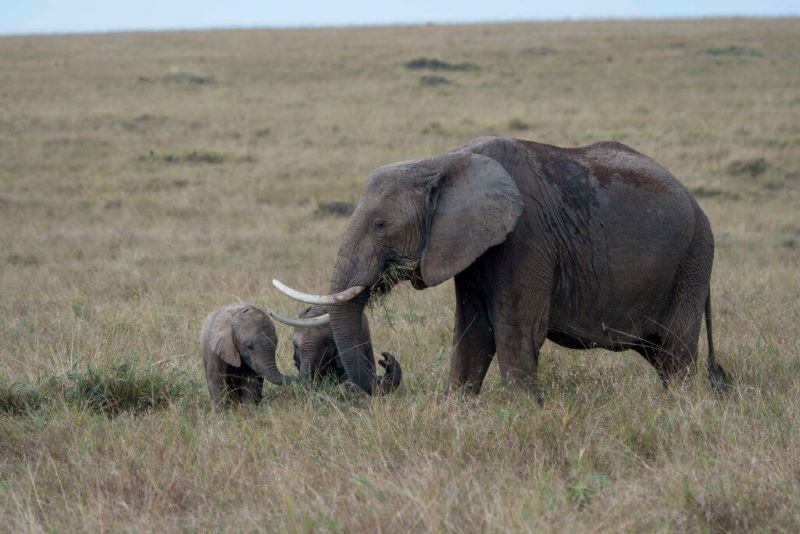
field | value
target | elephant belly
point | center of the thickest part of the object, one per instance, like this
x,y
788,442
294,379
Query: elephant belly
x,y
621,297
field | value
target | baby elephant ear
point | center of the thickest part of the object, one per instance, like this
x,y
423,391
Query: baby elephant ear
x,y
220,339
474,203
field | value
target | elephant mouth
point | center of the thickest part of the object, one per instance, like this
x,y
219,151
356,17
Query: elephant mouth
x,y
396,269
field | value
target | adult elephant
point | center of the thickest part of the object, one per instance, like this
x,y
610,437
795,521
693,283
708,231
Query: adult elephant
x,y
595,246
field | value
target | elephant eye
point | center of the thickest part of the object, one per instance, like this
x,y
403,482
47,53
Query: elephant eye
x,y
249,346
379,225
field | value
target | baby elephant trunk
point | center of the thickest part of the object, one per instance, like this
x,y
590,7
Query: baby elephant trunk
x,y
265,366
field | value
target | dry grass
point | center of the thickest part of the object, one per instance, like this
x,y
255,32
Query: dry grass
x,y
147,178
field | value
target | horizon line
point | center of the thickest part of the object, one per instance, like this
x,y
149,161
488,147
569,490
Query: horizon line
x,y
367,25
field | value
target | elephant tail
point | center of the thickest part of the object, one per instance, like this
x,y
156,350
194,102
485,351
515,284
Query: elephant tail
x,y
715,371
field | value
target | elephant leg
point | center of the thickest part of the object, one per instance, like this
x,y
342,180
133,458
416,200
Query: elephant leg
x,y
672,349
681,340
520,313
520,325
217,387
250,388
518,355
473,342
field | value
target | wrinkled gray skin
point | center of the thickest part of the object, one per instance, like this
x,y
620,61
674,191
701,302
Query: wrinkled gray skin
x,y
316,357
238,343
595,246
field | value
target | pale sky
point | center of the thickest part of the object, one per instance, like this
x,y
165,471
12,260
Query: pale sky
x,y
58,16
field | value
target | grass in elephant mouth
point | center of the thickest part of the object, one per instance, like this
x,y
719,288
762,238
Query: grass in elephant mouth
x,y
397,270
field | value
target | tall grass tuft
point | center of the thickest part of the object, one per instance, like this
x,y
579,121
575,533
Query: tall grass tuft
x,y
130,386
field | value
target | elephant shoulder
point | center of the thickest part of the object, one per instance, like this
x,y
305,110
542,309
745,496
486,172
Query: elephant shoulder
x,y
487,145
610,146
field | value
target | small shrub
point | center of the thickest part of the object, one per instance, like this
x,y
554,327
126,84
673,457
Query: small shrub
x,y
195,156
26,260
518,124
126,386
752,167
336,208
433,128
424,63
123,387
709,192
732,51
186,77
539,51
16,398
434,80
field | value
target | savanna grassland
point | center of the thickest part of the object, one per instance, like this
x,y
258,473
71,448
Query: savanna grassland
x,y
147,178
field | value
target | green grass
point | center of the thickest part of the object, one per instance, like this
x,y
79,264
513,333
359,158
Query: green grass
x,y
122,386
135,198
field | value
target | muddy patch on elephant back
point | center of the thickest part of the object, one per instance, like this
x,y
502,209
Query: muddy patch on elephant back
x,y
336,208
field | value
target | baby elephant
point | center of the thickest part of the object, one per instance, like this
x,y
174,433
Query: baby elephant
x,y
238,343
315,354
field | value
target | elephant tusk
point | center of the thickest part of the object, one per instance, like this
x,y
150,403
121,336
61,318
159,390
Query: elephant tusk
x,y
291,321
336,298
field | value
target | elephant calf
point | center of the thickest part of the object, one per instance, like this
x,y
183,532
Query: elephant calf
x,y
315,354
238,343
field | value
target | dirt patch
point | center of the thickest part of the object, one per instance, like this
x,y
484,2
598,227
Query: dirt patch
x,y
424,63
336,208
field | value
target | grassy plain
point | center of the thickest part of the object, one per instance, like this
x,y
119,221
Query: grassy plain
x,y
147,178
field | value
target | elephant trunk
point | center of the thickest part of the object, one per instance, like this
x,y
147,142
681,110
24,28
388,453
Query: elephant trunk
x,y
268,368
352,344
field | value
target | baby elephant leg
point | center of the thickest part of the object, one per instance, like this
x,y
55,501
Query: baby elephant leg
x,y
250,387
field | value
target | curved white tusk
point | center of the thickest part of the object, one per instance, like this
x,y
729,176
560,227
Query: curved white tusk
x,y
291,321
336,298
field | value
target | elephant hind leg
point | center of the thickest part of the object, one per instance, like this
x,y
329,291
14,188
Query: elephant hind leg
x,y
672,348
671,362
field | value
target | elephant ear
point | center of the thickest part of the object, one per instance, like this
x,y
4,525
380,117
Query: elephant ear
x,y
474,203
220,339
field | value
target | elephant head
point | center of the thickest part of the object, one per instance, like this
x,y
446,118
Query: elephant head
x,y
422,221
315,353
243,334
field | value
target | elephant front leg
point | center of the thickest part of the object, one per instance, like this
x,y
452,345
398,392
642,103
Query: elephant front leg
x,y
473,342
217,386
251,388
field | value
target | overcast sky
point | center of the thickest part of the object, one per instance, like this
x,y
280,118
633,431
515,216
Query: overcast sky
x,y
47,16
